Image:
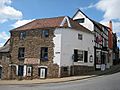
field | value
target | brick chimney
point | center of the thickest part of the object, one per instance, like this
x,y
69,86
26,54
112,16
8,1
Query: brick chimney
x,y
110,25
110,36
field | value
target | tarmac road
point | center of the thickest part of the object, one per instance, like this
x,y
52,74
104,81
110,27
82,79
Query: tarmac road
x,y
105,82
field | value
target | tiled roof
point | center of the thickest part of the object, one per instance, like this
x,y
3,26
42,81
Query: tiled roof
x,y
63,21
42,23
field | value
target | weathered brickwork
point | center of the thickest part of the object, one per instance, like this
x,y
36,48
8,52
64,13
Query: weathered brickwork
x,y
32,44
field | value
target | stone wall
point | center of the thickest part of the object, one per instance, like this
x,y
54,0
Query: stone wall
x,y
4,63
81,70
32,44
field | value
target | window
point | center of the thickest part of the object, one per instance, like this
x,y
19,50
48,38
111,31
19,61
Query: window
x,y
45,33
80,36
81,20
65,69
78,55
86,56
21,53
22,35
44,53
29,70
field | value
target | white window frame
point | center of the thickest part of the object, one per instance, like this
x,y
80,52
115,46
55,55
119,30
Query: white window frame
x,y
29,68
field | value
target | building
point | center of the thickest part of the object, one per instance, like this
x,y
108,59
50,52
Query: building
x,y
115,50
102,39
49,48
4,60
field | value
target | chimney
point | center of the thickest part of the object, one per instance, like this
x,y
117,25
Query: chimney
x,y
110,25
110,36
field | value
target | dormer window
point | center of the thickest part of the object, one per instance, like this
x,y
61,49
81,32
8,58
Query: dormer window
x,y
81,20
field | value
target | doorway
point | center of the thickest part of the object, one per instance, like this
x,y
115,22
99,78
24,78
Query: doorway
x,y
0,72
42,71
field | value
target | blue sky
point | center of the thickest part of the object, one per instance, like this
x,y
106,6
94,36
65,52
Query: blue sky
x,y
14,13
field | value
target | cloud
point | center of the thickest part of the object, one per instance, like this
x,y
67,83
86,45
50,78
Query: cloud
x,y
88,7
21,22
110,8
3,37
8,12
116,25
111,12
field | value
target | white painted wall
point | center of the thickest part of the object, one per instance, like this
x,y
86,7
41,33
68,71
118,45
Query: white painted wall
x,y
57,47
66,41
88,24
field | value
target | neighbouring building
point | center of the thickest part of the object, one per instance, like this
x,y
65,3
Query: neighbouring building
x,y
4,60
49,48
102,39
115,50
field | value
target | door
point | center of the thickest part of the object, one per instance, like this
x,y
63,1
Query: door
x,y
0,72
20,70
43,72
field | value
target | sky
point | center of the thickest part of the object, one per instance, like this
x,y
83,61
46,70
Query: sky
x,y
14,13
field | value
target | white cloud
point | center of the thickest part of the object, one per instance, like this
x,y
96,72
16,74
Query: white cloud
x,y
88,7
111,12
7,12
21,22
116,25
3,37
110,8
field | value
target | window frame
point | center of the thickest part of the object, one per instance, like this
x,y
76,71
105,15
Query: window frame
x,y
21,53
45,33
78,55
44,54
22,35
80,36
29,73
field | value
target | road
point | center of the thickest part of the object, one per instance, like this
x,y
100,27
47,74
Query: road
x,y
106,82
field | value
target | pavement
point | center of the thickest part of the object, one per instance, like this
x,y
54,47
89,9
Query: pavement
x,y
112,70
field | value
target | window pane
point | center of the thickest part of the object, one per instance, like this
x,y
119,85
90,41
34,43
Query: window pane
x,y
85,56
44,53
22,35
80,36
81,20
21,52
45,33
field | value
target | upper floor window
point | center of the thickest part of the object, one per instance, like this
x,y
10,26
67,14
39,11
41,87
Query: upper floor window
x,y
44,53
45,33
81,20
80,36
21,53
22,35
